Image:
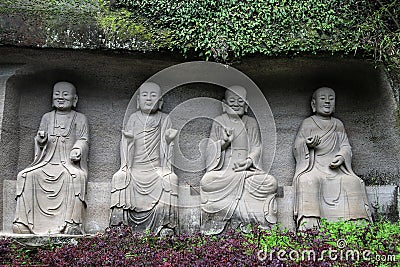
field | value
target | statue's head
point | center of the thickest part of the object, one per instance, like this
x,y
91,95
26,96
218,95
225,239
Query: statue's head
x,y
235,100
323,101
149,97
64,96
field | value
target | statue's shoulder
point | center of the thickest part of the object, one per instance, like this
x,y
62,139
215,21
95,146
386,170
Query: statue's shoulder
x,y
80,115
163,115
220,119
250,121
80,118
134,116
307,122
47,115
339,123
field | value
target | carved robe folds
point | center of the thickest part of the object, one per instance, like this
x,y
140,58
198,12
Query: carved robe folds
x,y
321,191
145,189
51,192
238,198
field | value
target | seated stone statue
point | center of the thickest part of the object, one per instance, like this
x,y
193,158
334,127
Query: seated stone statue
x,y
51,191
325,184
144,191
235,191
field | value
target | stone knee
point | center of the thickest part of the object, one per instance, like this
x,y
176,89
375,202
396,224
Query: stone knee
x,y
265,184
273,183
207,179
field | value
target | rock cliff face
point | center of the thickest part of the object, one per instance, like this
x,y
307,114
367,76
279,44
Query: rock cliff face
x,y
107,80
116,65
83,26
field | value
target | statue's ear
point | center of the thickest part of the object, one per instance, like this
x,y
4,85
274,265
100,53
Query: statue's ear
x,y
223,106
160,103
314,109
246,107
75,101
137,103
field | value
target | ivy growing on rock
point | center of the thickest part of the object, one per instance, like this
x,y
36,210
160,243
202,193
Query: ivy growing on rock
x,y
220,30
229,29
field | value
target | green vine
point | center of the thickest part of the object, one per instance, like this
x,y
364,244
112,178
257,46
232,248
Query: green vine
x,y
223,30
229,29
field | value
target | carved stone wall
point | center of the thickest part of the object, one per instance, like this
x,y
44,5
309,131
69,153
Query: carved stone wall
x,y
106,82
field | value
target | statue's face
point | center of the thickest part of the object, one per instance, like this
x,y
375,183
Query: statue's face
x,y
236,103
64,96
149,98
324,103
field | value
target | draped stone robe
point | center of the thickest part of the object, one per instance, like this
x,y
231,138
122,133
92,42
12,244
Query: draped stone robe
x,y
145,189
51,191
237,198
321,191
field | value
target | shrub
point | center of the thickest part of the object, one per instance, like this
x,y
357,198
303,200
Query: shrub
x,y
120,246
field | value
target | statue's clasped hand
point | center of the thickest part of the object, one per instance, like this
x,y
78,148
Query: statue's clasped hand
x,y
313,141
243,165
75,154
336,162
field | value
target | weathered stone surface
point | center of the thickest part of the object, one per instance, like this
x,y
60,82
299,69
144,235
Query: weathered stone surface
x,y
9,103
189,209
97,214
81,26
9,205
106,81
97,217
44,241
384,200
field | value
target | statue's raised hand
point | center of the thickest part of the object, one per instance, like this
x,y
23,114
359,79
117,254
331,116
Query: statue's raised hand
x,y
313,141
227,137
170,135
75,154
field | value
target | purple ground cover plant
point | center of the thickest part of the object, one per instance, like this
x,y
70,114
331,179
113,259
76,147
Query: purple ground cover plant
x,y
120,246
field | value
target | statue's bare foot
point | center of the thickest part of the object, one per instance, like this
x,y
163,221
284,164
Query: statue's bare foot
x,y
73,229
19,228
309,223
166,232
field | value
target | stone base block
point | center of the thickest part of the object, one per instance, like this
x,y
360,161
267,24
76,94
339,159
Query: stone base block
x,y
97,212
383,200
189,211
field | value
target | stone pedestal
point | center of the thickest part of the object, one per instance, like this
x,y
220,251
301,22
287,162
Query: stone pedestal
x,y
383,199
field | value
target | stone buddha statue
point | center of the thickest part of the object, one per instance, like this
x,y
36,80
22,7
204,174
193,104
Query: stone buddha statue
x,y
51,191
235,191
325,184
145,189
